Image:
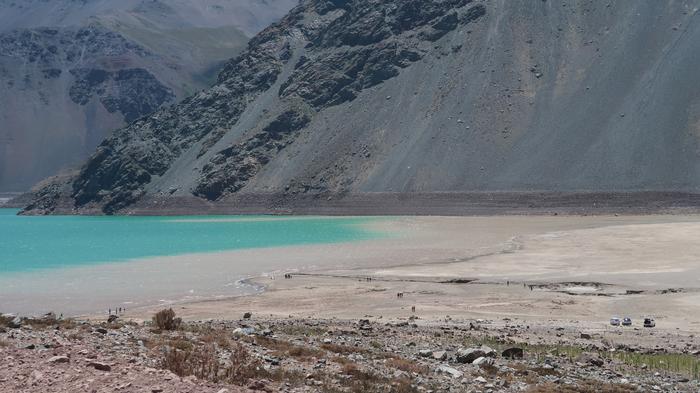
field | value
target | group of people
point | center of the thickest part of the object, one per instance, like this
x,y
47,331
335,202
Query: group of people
x,y
118,310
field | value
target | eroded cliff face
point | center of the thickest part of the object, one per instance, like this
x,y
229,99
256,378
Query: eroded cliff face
x,y
72,72
416,96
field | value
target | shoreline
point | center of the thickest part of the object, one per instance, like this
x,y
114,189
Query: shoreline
x,y
457,203
488,283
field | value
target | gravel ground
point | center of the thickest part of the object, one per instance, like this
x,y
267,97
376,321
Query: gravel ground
x,y
366,355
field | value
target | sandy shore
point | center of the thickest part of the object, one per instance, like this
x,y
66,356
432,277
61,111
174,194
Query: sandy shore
x,y
579,270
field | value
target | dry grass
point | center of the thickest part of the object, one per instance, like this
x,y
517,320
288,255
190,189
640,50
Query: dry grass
x,y
180,343
364,380
166,320
407,365
292,377
341,360
4,344
283,348
341,349
545,371
361,381
585,387
302,330
5,321
204,363
218,337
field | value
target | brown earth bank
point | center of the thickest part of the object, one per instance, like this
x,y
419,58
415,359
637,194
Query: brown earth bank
x,y
388,203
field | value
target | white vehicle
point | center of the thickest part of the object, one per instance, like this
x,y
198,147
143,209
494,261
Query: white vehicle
x,y
615,321
649,323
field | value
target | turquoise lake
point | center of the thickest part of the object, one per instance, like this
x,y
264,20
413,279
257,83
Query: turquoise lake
x,y
33,243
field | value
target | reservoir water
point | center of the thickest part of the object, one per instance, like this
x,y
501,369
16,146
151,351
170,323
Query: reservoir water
x,y
86,265
32,243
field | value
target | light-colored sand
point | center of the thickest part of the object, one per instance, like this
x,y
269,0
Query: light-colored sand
x,y
580,269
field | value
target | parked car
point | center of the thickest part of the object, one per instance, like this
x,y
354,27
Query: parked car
x,y
627,321
615,321
649,323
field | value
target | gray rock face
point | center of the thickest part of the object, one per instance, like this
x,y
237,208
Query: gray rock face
x,y
365,96
133,92
72,72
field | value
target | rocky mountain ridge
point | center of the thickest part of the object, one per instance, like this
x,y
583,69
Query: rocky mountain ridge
x,y
74,71
361,97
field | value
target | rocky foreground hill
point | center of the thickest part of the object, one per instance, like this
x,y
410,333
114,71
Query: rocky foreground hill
x,y
73,71
420,102
290,355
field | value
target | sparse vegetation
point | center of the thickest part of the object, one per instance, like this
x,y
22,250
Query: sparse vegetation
x,y
285,348
303,330
166,320
684,364
204,362
407,365
5,320
586,387
341,349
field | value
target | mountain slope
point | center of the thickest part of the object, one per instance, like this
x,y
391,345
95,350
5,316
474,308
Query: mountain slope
x,y
72,71
349,98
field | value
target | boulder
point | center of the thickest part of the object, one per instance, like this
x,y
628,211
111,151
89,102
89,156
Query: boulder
x,y
247,315
15,323
246,331
586,336
513,353
471,354
58,359
424,353
482,361
453,372
590,358
101,330
257,385
440,355
99,366
112,318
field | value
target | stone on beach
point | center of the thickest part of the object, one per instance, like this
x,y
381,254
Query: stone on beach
x,y
453,372
15,323
471,354
513,353
99,366
440,355
58,359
